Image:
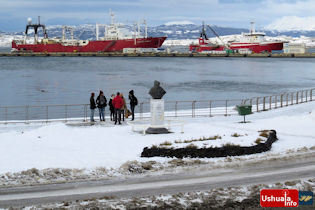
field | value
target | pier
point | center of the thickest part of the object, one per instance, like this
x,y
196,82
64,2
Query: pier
x,y
158,54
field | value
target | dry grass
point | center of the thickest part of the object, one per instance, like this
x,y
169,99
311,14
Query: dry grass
x,y
166,143
236,135
264,134
259,141
191,146
200,139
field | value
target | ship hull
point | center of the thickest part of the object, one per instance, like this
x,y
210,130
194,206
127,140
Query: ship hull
x,y
92,46
202,48
258,47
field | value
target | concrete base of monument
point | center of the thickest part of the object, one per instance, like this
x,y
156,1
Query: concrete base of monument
x,y
151,130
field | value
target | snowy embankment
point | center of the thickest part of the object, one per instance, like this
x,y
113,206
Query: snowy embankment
x,y
109,147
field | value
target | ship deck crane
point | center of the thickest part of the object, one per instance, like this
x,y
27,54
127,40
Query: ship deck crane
x,y
217,35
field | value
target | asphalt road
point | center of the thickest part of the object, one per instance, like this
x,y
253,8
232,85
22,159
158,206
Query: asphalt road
x,y
196,179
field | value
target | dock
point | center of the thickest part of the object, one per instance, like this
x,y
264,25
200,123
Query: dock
x,y
158,54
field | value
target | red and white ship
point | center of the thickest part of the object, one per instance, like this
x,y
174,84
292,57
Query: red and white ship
x,y
256,42
113,40
204,45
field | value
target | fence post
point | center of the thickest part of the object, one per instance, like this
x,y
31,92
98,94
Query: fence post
x,y
176,109
281,100
257,104
270,102
226,104
302,96
6,114
311,94
297,97
85,113
66,112
276,101
306,95
264,104
46,114
26,114
291,98
193,109
141,110
210,108
287,98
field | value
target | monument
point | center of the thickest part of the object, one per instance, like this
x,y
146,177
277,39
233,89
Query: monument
x,y
157,110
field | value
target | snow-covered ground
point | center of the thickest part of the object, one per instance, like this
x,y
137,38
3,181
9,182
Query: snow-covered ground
x,y
58,145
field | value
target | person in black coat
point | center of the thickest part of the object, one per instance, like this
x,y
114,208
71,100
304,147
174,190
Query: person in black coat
x,y
101,104
111,107
92,107
133,103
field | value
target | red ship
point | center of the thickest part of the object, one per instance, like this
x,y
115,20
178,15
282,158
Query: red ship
x,y
252,42
256,42
113,40
204,44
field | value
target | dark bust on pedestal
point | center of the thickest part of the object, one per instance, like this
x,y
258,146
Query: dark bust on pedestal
x,y
157,126
157,92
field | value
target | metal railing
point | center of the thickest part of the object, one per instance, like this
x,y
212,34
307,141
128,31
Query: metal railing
x,y
208,108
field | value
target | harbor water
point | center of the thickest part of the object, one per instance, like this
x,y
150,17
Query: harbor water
x,y
70,80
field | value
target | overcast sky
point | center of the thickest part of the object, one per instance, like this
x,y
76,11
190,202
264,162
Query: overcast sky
x,y
232,13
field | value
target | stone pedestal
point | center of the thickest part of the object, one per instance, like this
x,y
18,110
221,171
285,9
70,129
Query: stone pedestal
x,y
157,117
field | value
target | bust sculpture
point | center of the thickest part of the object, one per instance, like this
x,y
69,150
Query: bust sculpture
x,y
157,92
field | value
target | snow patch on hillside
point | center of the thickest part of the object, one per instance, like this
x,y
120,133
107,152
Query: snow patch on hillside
x,y
184,22
292,23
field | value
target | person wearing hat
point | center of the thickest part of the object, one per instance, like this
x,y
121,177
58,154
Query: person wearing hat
x,y
133,103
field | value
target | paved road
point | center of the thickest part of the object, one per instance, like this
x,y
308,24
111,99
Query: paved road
x,y
197,179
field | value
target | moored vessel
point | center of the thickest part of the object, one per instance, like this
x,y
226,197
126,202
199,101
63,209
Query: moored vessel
x,y
113,40
204,45
255,42
252,42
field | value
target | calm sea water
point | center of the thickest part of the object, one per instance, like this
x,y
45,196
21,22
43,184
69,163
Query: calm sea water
x,y
69,80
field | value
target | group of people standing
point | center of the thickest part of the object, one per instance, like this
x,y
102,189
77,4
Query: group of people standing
x,y
117,106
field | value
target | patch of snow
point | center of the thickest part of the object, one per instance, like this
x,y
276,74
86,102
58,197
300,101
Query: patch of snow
x,y
183,22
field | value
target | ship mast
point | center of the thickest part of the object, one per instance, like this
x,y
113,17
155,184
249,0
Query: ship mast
x,y
35,27
145,29
252,27
112,17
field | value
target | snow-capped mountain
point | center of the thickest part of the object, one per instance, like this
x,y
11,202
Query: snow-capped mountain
x,y
292,23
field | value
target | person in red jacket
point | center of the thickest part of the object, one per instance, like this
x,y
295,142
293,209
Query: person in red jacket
x,y
118,103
